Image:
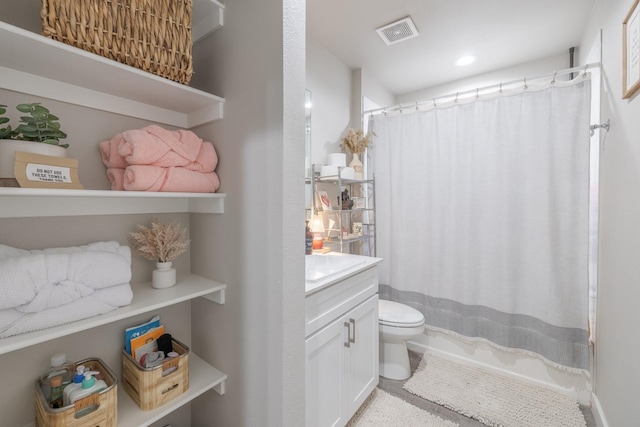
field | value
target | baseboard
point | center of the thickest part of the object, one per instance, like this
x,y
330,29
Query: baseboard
x,y
581,393
598,413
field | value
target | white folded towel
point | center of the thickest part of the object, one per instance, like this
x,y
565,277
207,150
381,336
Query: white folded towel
x,y
13,321
46,279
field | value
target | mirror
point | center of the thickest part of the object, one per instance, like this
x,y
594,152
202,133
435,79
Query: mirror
x,y
307,153
307,133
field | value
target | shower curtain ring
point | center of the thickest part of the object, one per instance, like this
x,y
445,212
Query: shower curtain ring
x,y
416,105
553,80
455,101
525,84
584,74
477,93
434,103
500,87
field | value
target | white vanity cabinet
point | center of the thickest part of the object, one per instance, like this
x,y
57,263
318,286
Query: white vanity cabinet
x,y
341,348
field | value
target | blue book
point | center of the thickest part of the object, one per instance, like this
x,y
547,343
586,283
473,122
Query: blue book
x,y
136,331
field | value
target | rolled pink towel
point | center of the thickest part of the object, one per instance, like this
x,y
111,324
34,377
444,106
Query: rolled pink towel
x,y
116,178
109,152
156,178
156,146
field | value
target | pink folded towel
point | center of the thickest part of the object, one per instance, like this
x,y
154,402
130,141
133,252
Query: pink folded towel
x,y
109,152
155,178
156,146
116,178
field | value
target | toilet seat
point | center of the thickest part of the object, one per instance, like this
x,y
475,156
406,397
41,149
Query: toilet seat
x,y
398,315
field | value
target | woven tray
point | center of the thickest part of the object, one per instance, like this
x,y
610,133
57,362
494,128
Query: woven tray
x,y
152,35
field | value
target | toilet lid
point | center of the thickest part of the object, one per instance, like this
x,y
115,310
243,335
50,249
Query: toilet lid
x,y
395,314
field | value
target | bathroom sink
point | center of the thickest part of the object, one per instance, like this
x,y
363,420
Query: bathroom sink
x,y
323,266
322,270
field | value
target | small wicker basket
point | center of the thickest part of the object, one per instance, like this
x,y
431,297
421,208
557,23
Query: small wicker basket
x,y
152,35
151,388
96,410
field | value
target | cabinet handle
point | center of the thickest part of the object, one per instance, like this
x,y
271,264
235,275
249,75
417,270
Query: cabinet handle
x,y
348,342
353,322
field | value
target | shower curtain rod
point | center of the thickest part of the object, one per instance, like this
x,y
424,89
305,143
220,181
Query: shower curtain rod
x,y
500,86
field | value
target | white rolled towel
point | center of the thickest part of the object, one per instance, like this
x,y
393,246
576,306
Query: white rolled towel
x,y
36,280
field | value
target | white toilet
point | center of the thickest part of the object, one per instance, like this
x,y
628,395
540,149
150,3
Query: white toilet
x,y
398,323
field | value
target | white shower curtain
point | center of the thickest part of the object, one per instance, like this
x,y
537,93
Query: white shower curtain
x,y
483,217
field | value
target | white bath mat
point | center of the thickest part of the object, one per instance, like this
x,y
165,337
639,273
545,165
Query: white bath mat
x,y
382,409
490,398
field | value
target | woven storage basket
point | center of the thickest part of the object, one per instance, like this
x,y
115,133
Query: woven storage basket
x,y
153,387
152,35
96,410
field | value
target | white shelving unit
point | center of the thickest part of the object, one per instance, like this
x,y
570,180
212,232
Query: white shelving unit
x,y
97,82
208,16
145,299
37,65
28,202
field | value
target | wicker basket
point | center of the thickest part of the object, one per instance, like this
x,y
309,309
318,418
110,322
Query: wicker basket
x,y
152,35
153,387
96,410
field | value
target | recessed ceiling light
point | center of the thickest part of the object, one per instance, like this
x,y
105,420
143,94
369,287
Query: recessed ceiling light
x,y
466,60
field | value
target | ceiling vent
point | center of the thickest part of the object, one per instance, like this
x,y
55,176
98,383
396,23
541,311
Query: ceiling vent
x,y
398,31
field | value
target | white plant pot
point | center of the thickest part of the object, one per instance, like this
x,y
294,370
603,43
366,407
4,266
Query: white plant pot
x,y
8,147
163,276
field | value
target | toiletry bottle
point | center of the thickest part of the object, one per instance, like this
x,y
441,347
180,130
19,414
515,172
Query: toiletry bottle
x,y
59,367
308,240
89,386
77,383
55,401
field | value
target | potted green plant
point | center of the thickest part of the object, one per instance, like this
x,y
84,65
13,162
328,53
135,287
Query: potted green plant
x,y
38,132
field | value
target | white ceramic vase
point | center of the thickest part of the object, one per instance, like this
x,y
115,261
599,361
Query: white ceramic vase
x,y
163,276
356,164
8,147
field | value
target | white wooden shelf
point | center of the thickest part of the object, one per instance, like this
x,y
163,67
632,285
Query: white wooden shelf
x,y
34,64
145,299
202,378
208,16
29,202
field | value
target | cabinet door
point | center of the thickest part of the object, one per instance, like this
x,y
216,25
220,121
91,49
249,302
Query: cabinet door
x,y
325,384
362,355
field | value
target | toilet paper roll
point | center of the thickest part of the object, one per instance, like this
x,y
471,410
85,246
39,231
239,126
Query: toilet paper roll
x,y
329,171
337,159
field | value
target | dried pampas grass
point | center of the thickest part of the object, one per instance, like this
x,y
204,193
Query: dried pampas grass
x,y
355,142
161,242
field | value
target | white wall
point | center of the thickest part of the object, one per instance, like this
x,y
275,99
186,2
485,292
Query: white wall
x,y
257,63
329,81
617,370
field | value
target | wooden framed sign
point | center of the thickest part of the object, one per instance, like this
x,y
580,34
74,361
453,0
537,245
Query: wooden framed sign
x,y
631,51
40,171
